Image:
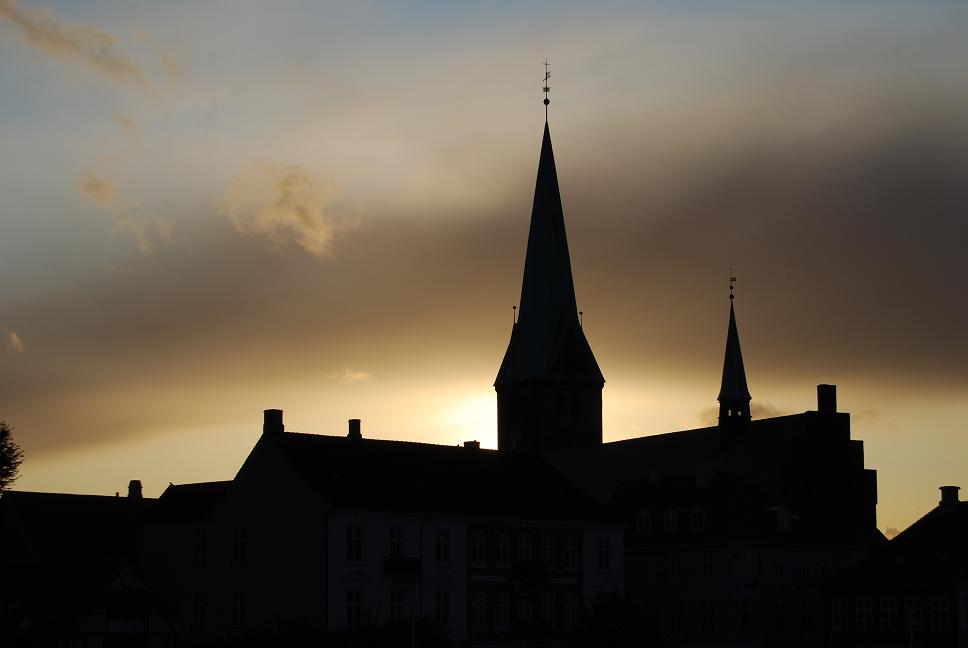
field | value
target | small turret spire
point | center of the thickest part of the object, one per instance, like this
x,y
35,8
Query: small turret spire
x,y
734,395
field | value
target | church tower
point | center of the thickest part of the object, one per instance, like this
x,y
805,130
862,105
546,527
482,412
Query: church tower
x,y
549,386
734,395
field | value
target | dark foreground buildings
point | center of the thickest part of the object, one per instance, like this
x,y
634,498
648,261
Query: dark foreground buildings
x,y
746,533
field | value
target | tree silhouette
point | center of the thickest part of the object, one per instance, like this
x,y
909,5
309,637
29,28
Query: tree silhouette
x,y
11,456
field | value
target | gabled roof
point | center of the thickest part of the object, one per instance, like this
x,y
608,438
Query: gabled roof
x,y
379,475
190,501
547,341
59,526
733,387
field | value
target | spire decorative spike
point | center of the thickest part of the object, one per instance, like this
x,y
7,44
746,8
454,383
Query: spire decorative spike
x,y
734,395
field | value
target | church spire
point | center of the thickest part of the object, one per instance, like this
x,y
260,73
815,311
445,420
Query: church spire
x,y
549,384
734,395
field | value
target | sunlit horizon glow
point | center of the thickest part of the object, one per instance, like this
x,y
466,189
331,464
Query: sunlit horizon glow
x,y
324,209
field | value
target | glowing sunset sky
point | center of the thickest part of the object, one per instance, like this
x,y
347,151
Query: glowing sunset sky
x,y
209,209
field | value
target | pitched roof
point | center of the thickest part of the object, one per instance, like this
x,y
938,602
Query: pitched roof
x,y
547,340
190,501
733,386
373,474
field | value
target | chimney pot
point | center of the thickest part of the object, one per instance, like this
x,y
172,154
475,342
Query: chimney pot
x,y
949,497
354,431
827,399
272,422
134,489
473,445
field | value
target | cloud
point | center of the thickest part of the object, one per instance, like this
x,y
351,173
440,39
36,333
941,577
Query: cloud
x,y
350,376
128,218
101,191
283,204
14,340
73,43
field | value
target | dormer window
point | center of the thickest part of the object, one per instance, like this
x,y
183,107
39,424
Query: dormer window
x,y
697,521
643,523
670,521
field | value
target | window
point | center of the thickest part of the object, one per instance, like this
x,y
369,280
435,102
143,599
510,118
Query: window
x,y
779,616
398,545
571,610
201,547
697,521
397,598
706,565
548,550
808,615
912,613
838,615
745,616
354,542
604,554
442,608
670,521
198,610
643,523
238,546
502,610
889,614
864,616
354,608
779,566
478,610
676,616
784,519
238,608
675,566
524,548
478,548
571,552
501,550
524,609
939,613
804,566
442,545
708,616
548,608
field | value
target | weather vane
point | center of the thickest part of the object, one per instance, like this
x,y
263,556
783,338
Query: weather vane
x,y
732,280
546,88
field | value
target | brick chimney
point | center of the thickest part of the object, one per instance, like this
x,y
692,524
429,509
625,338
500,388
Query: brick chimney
x,y
272,422
949,498
827,399
134,489
354,429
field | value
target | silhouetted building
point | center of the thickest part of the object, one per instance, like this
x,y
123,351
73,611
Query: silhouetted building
x,y
330,533
721,535
69,572
913,591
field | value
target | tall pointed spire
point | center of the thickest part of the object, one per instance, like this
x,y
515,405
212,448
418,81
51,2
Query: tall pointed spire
x,y
734,395
549,384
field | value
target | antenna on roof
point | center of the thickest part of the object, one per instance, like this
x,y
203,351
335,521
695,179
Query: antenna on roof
x,y
732,280
546,88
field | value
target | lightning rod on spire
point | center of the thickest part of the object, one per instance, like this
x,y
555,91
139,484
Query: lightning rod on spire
x,y
546,88
732,280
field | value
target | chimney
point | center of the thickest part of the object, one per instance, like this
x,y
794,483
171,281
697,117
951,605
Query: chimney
x,y
272,422
473,445
354,432
827,399
949,498
134,489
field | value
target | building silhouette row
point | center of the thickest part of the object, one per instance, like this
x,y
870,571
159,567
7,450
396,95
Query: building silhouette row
x,y
749,532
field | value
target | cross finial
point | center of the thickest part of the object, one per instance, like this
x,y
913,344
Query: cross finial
x,y
546,88
732,280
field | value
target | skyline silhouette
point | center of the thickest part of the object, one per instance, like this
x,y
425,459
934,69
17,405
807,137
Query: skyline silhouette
x,y
149,291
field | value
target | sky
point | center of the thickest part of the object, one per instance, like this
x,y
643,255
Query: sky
x,y
210,209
